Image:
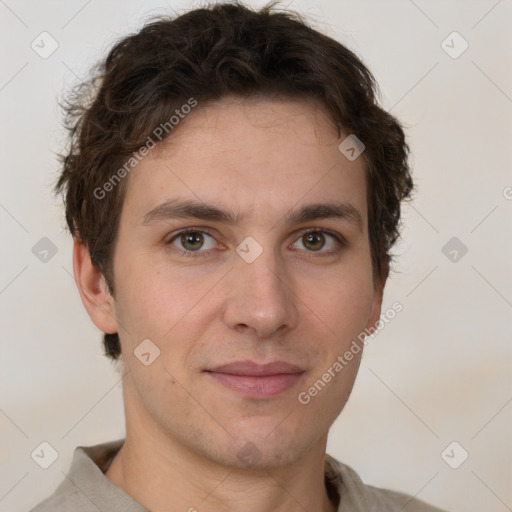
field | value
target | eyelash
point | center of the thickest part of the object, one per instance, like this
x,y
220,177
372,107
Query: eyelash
x,y
201,254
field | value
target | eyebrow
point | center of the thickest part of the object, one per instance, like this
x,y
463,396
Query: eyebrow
x,y
189,209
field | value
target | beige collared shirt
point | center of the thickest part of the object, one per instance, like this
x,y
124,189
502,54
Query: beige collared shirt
x,y
87,489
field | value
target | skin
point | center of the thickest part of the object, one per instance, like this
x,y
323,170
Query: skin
x,y
260,159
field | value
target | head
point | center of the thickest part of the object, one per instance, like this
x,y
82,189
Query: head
x,y
228,122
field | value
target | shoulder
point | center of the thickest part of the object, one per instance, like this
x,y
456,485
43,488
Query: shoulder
x,y
85,487
66,498
356,495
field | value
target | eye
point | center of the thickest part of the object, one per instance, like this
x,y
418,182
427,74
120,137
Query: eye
x,y
315,240
192,240
197,242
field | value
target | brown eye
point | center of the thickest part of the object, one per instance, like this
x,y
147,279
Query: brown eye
x,y
314,241
320,241
192,241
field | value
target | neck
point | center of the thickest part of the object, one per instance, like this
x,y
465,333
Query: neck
x,y
163,475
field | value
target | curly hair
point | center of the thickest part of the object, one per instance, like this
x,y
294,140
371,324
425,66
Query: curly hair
x,y
207,54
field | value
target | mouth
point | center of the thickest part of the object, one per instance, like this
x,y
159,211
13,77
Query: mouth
x,y
253,380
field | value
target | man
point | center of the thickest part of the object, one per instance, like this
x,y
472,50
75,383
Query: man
x,y
233,191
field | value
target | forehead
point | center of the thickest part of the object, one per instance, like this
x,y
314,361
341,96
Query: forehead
x,y
259,157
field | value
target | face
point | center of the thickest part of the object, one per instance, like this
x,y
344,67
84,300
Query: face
x,y
275,267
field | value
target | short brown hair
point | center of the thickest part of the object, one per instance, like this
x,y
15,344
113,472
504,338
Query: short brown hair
x,y
207,54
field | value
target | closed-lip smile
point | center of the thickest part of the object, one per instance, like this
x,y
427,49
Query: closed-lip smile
x,y
254,380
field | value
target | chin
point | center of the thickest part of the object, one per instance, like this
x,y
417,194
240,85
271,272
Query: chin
x,y
268,443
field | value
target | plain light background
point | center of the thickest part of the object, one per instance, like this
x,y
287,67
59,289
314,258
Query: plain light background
x,y
439,372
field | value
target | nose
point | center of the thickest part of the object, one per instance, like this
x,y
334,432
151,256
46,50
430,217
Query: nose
x,y
261,297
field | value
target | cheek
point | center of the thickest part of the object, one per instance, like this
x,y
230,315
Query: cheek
x,y
142,296
157,302
343,307
343,302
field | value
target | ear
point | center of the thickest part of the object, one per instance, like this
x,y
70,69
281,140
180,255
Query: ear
x,y
93,289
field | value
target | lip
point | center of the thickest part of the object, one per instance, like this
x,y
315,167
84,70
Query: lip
x,y
250,368
254,380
